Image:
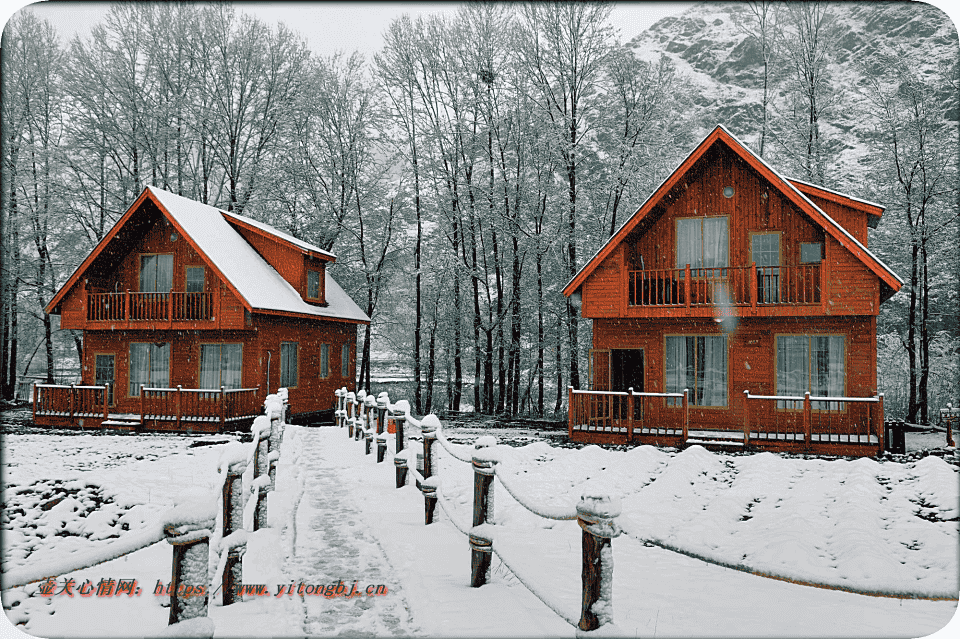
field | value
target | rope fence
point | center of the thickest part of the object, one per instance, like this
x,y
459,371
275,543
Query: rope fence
x,y
598,513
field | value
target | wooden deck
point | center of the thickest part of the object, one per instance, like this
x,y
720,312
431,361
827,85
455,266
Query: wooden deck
x,y
827,425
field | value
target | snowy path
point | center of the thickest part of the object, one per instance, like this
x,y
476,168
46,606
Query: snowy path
x,y
334,545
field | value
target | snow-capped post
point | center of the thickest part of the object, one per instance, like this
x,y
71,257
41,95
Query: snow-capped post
x,y
428,486
371,404
806,418
273,409
284,395
351,412
232,521
746,416
596,515
400,411
261,426
188,531
481,542
383,400
106,401
340,393
361,423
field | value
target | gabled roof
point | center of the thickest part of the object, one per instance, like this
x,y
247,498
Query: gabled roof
x,y
258,286
791,191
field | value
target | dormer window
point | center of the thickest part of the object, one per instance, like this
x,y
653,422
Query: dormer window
x,y
315,284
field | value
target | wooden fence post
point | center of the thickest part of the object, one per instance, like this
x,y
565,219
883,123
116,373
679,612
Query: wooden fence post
x,y
338,414
481,542
806,418
106,401
191,549
570,412
400,461
596,513
261,468
429,488
631,405
370,405
179,405
232,521
73,392
351,412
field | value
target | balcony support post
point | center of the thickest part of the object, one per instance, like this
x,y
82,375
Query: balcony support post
x,y
753,285
686,284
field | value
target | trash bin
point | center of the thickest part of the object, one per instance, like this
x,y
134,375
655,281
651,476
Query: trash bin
x,y
893,437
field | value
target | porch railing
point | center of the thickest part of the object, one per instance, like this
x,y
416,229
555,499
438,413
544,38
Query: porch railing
x,y
198,405
814,419
623,412
134,306
71,400
178,405
725,286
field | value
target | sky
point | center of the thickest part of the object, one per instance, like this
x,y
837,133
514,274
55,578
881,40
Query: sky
x,y
329,26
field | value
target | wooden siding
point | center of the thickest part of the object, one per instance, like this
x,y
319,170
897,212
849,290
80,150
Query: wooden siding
x,y
126,277
751,355
756,207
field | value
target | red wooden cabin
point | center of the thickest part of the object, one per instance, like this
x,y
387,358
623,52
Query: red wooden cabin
x,y
741,309
192,315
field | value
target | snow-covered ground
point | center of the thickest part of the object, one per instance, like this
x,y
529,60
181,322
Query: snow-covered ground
x,y
856,525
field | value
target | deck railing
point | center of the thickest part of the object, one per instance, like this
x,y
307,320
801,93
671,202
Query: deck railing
x,y
198,405
725,286
71,401
814,419
134,306
156,404
624,412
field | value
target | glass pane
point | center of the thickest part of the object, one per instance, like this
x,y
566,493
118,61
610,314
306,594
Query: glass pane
x,y
209,366
811,253
715,242
689,249
231,365
313,285
164,273
712,371
827,370
160,366
195,275
288,364
139,368
345,361
324,360
792,376
148,273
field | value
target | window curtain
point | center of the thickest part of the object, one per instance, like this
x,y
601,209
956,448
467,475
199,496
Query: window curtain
x,y
681,367
827,374
792,374
288,364
209,366
149,366
712,371
688,243
156,273
715,242
220,365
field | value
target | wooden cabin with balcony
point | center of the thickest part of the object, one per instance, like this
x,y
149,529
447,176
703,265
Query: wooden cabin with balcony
x,y
192,315
736,308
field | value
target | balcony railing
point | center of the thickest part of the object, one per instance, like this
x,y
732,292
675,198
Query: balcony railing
x,y
143,307
725,286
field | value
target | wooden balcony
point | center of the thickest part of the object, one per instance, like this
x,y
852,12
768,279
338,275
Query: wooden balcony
x,y
159,408
729,290
138,310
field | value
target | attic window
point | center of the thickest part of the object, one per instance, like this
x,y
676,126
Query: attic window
x,y
811,252
313,285
728,192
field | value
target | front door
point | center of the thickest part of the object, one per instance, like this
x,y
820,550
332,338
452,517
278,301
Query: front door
x,y
106,374
626,372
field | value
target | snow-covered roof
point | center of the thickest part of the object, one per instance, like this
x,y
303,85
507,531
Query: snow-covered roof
x,y
240,264
258,284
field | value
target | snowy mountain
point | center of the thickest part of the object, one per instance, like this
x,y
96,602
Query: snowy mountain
x,y
725,65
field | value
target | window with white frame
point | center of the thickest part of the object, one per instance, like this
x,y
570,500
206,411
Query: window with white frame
x,y
220,365
811,363
697,363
